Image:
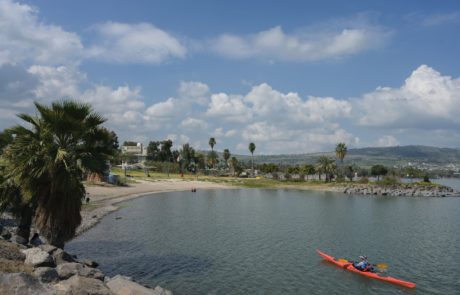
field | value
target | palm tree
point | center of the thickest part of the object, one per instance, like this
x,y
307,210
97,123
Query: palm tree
x,y
226,156
212,143
234,163
327,166
341,152
49,159
308,169
252,148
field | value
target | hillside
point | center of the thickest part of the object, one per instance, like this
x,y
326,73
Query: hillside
x,y
390,156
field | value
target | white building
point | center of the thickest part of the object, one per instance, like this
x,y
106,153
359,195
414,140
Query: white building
x,y
137,150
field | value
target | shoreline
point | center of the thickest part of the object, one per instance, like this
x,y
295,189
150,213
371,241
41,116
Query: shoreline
x,y
104,198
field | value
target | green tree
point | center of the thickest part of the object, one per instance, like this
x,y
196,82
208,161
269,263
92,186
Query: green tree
x,y
153,151
49,159
226,156
165,154
187,154
341,152
326,165
212,143
378,170
308,169
5,138
252,148
235,165
212,157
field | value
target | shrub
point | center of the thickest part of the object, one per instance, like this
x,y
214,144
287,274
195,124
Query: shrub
x,y
364,180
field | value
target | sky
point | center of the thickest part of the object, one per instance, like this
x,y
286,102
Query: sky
x,y
290,76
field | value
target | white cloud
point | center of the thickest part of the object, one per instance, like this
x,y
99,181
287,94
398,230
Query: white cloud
x,y
387,140
194,124
196,92
231,133
228,107
268,103
162,109
135,43
275,44
57,82
30,39
426,100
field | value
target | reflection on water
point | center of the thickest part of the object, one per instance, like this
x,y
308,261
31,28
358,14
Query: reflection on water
x,y
253,241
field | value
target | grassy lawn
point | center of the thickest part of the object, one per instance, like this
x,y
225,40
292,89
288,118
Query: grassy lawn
x,y
259,182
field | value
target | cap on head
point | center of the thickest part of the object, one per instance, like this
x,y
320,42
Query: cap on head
x,y
362,257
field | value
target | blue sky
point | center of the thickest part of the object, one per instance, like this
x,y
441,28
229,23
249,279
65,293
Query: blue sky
x,y
290,76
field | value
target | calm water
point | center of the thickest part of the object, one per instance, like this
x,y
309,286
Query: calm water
x,y
254,241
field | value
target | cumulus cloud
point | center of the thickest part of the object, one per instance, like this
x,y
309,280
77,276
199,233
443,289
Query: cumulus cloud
x,y
30,39
228,107
269,103
275,44
427,99
193,124
135,43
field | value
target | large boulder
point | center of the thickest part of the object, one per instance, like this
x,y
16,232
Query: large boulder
x,y
22,283
48,248
66,270
46,274
20,240
121,285
78,285
4,233
60,256
36,257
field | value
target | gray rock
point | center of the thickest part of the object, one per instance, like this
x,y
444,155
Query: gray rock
x,y
37,257
60,256
120,285
78,285
20,240
48,248
22,283
66,270
46,274
36,241
89,263
5,234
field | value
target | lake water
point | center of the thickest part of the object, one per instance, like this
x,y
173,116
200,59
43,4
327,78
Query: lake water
x,y
261,241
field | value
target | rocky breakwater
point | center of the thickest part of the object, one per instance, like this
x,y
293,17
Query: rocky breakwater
x,y
49,270
400,190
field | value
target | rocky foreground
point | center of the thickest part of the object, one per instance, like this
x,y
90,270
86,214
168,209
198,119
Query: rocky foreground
x,y
46,269
400,190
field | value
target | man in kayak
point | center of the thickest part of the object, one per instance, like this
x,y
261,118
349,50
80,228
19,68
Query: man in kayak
x,y
363,265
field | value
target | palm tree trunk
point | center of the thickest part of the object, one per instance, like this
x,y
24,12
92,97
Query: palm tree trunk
x,y
24,224
252,163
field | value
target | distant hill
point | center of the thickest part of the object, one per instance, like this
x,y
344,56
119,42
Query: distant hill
x,y
389,156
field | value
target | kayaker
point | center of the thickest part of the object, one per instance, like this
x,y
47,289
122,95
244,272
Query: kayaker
x,y
363,265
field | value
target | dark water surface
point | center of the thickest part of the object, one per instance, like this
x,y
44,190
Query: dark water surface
x,y
257,241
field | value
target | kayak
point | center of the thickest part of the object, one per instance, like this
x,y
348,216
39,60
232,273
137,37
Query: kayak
x,y
348,265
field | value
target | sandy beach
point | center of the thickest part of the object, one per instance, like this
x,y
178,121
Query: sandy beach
x,y
103,198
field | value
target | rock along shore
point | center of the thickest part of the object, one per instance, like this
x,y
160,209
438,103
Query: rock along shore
x,y
45,269
403,190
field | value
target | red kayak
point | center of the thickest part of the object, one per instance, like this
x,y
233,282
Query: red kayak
x,y
349,266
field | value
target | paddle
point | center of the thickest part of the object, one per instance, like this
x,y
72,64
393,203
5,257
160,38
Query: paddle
x,y
380,266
